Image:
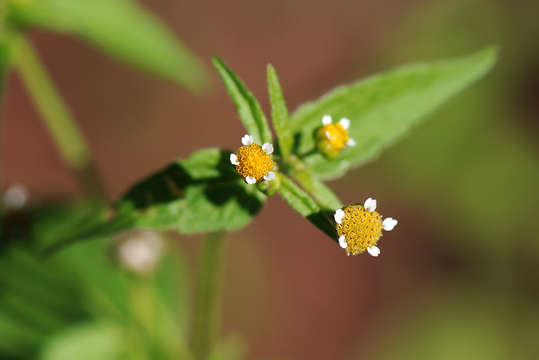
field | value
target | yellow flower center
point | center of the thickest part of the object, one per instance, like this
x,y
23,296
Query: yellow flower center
x,y
331,139
253,161
361,228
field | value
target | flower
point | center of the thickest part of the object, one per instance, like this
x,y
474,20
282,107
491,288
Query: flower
x,y
332,138
360,227
253,162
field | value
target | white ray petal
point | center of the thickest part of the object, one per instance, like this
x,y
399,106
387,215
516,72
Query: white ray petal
x,y
345,123
326,120
373,250
339,216
250,180
247,139
389,223
234,159
351,142
370,204
269,176
268,148
342,242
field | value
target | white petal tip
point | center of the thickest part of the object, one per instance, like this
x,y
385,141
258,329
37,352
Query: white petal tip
x,y
268,148
269,176
328,136
326,120
338,216
373,250
351,142
389,223
247,139
342,242
234,159
370,204
345,123
250,180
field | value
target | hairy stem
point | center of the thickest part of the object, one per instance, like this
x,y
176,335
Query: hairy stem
x,y
57,118
208,297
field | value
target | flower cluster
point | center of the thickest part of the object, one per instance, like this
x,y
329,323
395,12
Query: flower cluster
x,y
332,138
360,227
253,162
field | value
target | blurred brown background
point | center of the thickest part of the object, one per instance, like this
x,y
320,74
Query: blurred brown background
x,y
459,276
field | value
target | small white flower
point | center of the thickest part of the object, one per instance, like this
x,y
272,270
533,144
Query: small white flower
x,y
351,142
370,204
339,216
234,159
345,123
269,176
342,242
373,250
247,139
15,197
250,180
326,120
389,223
268,148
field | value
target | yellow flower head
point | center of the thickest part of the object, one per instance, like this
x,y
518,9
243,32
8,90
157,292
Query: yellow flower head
x,y
253,162
332,138
360,227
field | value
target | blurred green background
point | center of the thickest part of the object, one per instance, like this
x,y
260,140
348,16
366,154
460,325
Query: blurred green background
x,y
458,279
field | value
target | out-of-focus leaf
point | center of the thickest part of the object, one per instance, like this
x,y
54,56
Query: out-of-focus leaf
x,y
4,61
105,287
37,297
95,340
120,28
383,107
248,107
231,348
300,201
279,114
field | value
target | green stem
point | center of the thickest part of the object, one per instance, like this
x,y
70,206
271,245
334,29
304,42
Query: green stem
x,y
208,297
57,118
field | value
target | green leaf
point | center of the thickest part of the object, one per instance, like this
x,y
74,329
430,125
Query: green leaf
x,y
300,201
94,340
248,107
120,28
383,107
279,114
200,194
37,298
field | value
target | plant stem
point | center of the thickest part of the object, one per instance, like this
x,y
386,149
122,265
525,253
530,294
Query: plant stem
x,y
57,118
207,297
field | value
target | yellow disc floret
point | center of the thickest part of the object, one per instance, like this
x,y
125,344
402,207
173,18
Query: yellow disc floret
x,y
332,138
253,161
361,228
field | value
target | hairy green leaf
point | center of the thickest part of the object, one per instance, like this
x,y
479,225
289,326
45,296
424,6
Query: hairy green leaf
x,y
300,201
249,110
200,194
383,107
279,114
92,340
120,28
